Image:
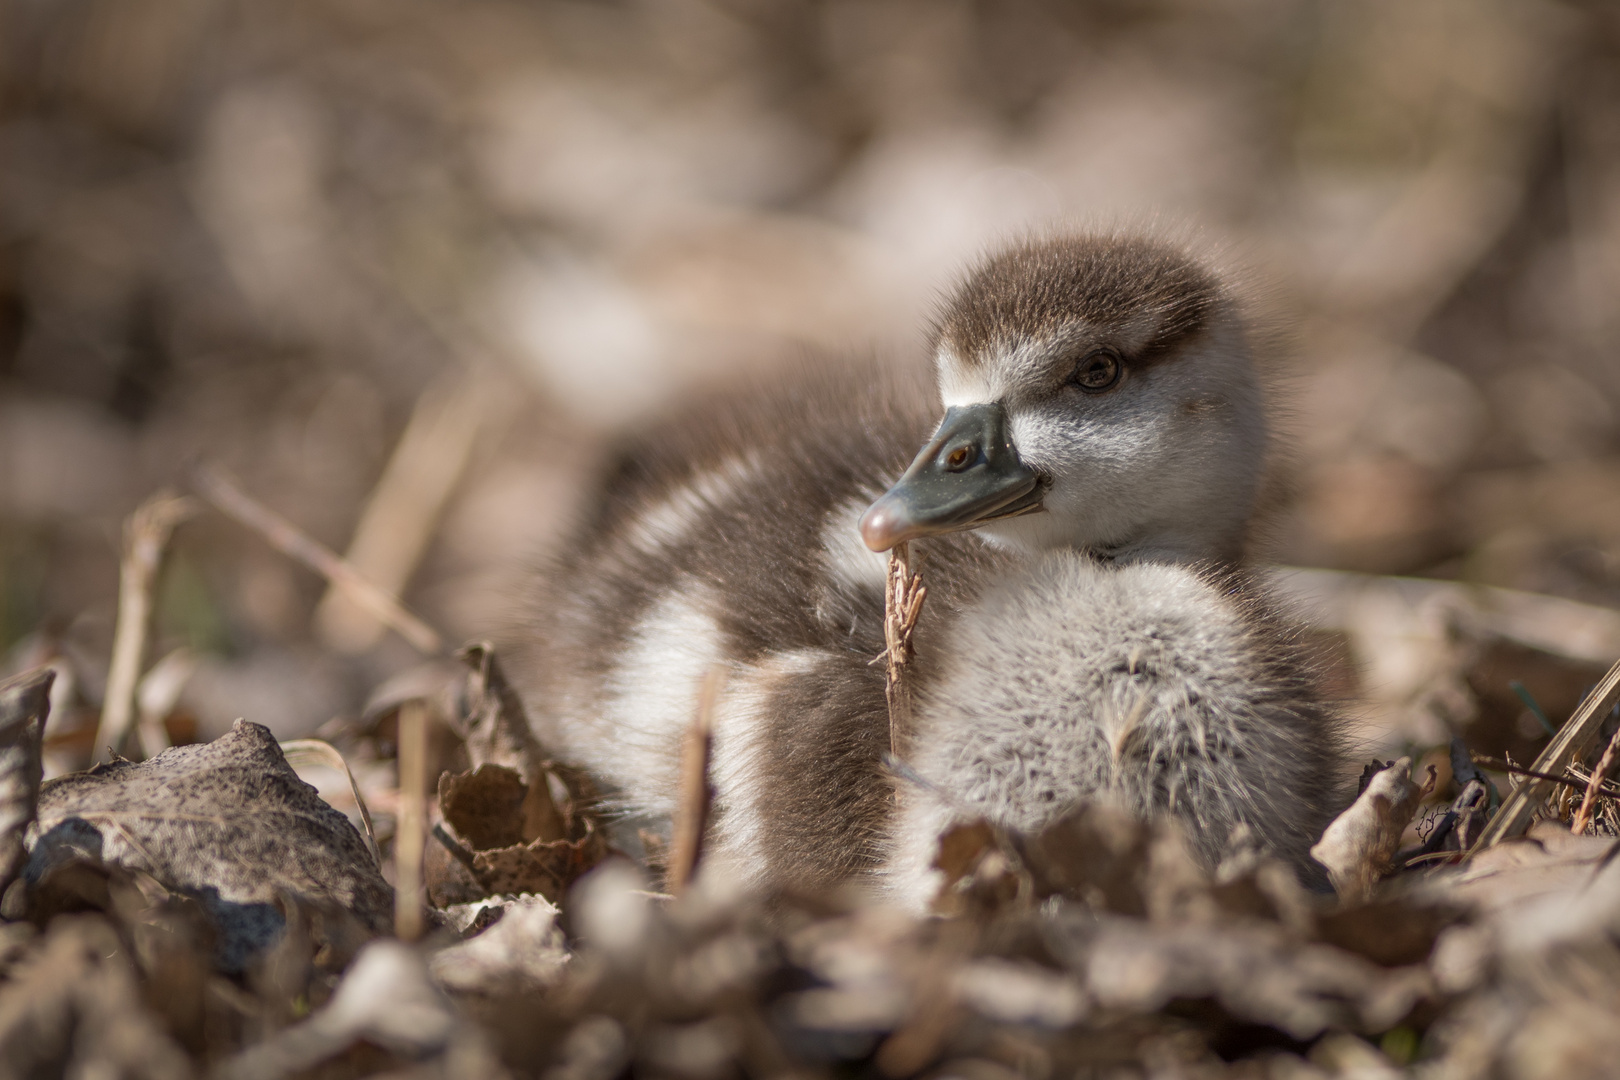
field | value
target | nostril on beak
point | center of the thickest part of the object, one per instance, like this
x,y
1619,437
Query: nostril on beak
x,y
959,458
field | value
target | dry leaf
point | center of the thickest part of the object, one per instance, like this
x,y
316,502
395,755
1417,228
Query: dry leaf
x,y
228,822
522,951
485,806
1357,848
497,733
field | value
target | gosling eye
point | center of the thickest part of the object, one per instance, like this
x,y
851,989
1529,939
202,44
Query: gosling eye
x,y
1098,371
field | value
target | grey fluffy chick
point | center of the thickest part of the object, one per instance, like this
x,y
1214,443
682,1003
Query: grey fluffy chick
x,y
1104,430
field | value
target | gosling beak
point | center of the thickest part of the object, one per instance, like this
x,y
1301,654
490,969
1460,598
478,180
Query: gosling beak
x,y
968,474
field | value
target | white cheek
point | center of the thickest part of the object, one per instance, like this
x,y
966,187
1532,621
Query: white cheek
x,y
1078,446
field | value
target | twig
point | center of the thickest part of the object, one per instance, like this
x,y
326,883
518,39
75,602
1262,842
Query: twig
x,y
903,597
697,794
457,850
1573,739
146,537
292,541
410,836
1498,765
1583,816
405,507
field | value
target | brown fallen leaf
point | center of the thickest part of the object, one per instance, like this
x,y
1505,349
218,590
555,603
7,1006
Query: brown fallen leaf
x,y
227,822
1357,847
496,731
544,867
1095,854
485,806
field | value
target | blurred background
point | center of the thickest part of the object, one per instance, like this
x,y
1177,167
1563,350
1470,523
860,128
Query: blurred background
x,y
401,267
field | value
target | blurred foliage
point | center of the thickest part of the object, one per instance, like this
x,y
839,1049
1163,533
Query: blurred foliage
x,y
255,233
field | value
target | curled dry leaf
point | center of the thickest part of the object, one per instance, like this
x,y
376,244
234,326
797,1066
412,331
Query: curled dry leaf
x,y
497,733
227,822
1357,848
25,703
487,808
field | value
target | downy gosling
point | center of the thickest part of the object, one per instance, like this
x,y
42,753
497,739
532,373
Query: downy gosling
x,y
1078,516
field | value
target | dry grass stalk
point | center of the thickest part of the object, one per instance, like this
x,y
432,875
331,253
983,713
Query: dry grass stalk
x,y
1576,736
292,541
1571,780
697,794
1583,816
320,752
404,508
410,836
146,538
903,597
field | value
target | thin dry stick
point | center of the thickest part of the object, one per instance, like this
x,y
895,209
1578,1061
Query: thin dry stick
x,y
1583,816
405,506
410,835
292,541
903,598
1498,765
697,794
1578,734
146,537
320,752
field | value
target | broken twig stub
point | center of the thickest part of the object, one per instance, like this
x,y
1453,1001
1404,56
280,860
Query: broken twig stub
x,y
903,597
697,793
411,834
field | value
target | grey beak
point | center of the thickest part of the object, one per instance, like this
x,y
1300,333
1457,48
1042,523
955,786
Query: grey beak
x,y
968,474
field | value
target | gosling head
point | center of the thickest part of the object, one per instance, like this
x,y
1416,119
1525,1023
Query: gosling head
x,y
1100,394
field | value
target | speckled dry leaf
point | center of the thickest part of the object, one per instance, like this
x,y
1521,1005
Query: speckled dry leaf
x,y
1357,847
25,701
228,822
544,868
